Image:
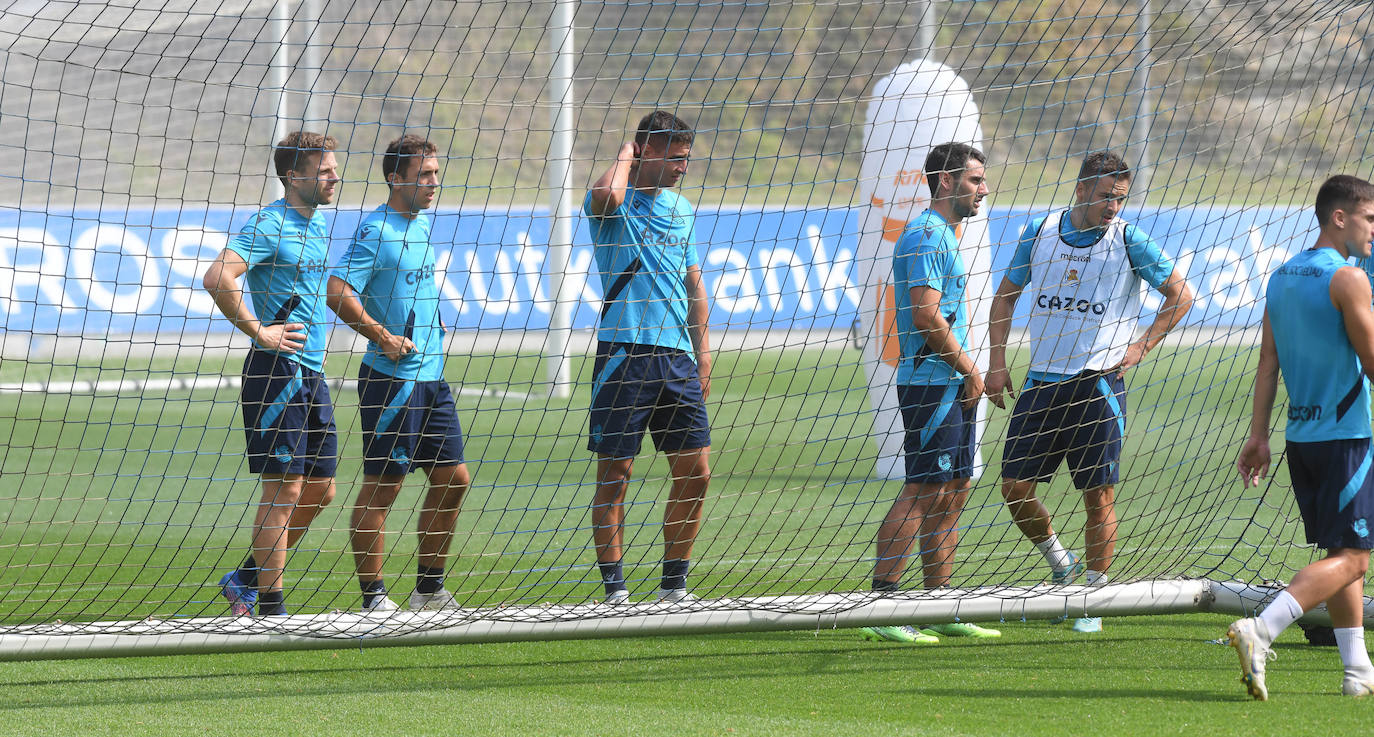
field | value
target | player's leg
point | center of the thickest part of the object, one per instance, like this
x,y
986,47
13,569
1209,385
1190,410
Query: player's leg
x,y
280,497
1093,456
620,409
681,429
1334,492
437,520
440,447
1033,450
940,532
367,536
691,477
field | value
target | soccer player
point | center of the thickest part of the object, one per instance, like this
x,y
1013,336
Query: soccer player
x,y
1082,269
938,388
287,414
653,356
1319,334
384,288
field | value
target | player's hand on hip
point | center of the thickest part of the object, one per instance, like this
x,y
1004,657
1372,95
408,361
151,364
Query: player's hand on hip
x,y
1253,462
973,389
284,338
1135,353
998,383
396,347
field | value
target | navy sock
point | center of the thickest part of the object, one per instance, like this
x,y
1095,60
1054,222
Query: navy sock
x,y
372,591
675,574
271,604
882,585
429,580
612,576
248,572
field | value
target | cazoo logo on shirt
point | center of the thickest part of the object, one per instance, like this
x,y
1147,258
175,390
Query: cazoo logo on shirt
x,y
1069,304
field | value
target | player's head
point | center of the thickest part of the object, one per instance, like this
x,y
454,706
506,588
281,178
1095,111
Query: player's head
x,y
1104,180
307,168
663,143
411,168
957,175
1345,213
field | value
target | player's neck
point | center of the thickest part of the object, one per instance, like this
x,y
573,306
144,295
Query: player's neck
x,y
1326,241
634,184
298,203
401,208
945,209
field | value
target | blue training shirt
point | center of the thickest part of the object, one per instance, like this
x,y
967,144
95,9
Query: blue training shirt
x,y
390,264
1328,394
288,263
1148,260
643,251
927,255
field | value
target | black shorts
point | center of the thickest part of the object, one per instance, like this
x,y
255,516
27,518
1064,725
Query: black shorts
x,y
1334,487
1081,420
638,387
288,418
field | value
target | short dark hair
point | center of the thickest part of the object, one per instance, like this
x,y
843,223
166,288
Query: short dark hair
x,y
1103,164
662,127
289,151
948,158
400,152
1339,193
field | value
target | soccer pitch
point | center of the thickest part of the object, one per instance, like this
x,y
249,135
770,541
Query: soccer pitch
x,y
122,507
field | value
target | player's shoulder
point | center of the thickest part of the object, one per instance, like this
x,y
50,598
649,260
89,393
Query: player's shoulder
x,y
373,225
673,203
270,218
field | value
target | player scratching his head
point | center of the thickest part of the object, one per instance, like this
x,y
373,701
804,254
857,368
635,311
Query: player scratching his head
x,y
653,356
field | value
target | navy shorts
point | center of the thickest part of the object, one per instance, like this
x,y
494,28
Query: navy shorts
x,y
1081,420
1334,486
407,424
287,417
638,387
938,446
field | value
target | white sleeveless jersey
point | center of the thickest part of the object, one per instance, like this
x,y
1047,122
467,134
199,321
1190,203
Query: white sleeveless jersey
x,y
1084,301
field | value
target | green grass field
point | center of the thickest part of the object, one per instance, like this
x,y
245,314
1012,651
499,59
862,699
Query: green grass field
x,y
126,507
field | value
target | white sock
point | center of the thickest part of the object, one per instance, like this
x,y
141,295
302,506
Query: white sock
x,y
1095,578
1350,640
1281,612
1054,553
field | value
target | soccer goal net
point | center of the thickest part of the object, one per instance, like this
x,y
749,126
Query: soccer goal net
x,y
136,140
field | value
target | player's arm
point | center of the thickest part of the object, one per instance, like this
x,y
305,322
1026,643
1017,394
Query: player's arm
x,y
940,338
1178,299
999,330
1253,461
1350,293
698,328
608,191
345,303
222,282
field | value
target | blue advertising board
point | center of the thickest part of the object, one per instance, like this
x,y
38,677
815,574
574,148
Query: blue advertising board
x,y
125,271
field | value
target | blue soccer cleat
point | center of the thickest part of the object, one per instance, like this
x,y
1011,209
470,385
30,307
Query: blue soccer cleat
x,y
241,598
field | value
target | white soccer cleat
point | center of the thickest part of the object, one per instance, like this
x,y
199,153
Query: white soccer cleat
x,y
381,605
439,600
1357,687
617,597
1087,624
1245,636
675,596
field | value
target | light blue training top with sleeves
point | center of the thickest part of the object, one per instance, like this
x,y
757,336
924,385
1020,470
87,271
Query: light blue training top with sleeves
x,y
1148,260
927,255
1328,394
390,264
643,251
288,265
